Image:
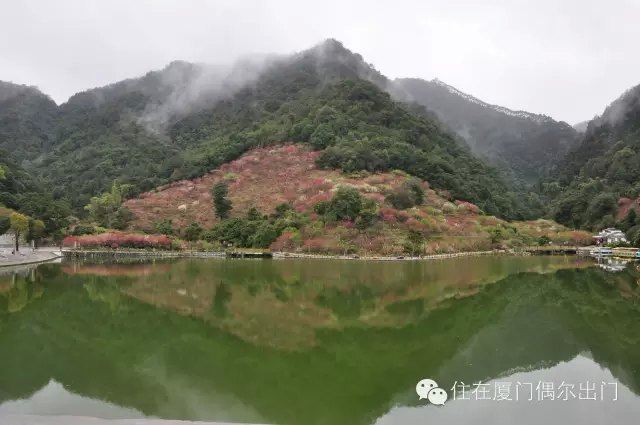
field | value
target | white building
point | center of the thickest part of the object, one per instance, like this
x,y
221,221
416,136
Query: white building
x,y
610,236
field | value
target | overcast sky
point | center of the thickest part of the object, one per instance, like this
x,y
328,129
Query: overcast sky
x,y
564,58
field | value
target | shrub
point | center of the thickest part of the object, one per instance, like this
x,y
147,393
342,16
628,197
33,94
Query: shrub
x,y
543,240
346,204
322,137
400,199
414,244
164,227
83,229
449,208
265,234
368,215
282,209
414,186
192,232
409,194
122,218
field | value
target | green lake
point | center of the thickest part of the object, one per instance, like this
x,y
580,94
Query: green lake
x,y
322,341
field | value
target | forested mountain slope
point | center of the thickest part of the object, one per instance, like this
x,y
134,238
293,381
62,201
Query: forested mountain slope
x,y
21,192
605,167
524,144
27,121
187,119
13,182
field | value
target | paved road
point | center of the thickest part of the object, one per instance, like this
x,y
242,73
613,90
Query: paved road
x,y
27,256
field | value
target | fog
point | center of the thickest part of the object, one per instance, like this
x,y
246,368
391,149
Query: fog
x,y
567,59
189,87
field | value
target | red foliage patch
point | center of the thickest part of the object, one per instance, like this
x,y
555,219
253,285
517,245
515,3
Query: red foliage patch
x,y
285,242
625,205
117,240
469,207
315,245
262,178
416,225
392,215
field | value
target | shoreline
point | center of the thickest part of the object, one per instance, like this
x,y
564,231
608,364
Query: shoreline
x,y
142,254
133,253
105,254
285,255
40,256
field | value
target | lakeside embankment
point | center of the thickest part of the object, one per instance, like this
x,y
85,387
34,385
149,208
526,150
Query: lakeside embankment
x,y
258,253
28,256
46,254
386,258
140,254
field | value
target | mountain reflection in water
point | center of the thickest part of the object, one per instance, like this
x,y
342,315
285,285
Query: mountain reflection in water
x,y
318,342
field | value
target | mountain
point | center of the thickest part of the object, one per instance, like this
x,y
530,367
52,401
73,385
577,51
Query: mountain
x,y
27,121
602,169
581,127
184,120
525,144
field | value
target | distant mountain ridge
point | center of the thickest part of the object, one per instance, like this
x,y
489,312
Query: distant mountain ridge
x,y
524,144
581,127
501,109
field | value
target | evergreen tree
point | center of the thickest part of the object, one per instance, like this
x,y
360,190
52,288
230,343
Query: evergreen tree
x,y
631,219
192,232
221,203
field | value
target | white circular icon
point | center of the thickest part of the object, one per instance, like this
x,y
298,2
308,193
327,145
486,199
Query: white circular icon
x,y
437,396
427,389
424,386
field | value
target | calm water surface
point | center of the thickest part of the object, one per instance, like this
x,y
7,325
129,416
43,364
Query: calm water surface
x,y
323,342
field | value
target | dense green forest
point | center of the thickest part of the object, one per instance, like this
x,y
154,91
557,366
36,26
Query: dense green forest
x,y
19,191
27,121
587,185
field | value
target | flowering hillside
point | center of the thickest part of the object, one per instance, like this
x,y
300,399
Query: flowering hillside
x,y
118,240
267,177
